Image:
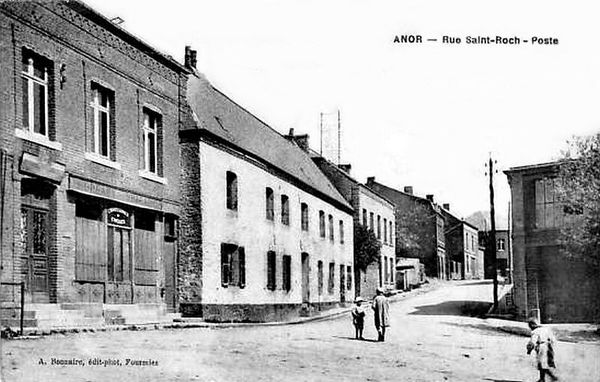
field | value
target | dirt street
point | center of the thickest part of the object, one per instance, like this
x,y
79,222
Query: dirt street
x,y
432,338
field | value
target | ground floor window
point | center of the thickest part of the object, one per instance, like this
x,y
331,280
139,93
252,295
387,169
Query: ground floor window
x,y
331,284
349,277
233,265
287,272
320,277
271,270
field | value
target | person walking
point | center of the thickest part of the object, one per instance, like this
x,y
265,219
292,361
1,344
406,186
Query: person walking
x,y
381,308
543,342
358,317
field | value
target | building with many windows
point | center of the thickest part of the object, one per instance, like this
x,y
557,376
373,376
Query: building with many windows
x,y
265,235
462,247
89,166
547,282
420,226
374,212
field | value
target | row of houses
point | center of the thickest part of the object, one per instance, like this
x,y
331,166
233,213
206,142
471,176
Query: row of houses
x,y
133,190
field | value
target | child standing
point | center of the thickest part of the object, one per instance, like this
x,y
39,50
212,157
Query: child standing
x,y
358,317
543,342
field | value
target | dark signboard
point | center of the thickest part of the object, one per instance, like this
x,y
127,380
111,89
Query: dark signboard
x,y
117,216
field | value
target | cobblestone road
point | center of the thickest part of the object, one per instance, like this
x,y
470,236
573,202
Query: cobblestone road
x,y
432,338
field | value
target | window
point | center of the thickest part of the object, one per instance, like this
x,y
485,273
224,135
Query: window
x,y
331,281
385,269
330,218
501,245
287,272
151,130
270,204
392,269
35,75
379,227
349,277
271,270
320,277
548,211
390,235
364,217
285,210
385,230
304,216
341,232
102,106
322,223
371,221
233,265
232,191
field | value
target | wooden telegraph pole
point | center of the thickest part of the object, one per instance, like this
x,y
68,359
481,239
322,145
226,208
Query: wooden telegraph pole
x,y
492,238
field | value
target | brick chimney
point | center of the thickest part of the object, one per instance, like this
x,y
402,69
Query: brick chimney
x,y
429,197
345,167
300,140
370,181
408,189
190,58
446,206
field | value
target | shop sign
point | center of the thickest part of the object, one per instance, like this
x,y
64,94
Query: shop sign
x,y
117,216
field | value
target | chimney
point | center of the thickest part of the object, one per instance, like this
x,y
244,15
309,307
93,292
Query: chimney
x,y
300,140
446,206
370,181
345,167
408,189
190,58
429,197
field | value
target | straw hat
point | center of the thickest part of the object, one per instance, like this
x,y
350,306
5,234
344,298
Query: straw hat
x,y
379,290
359,299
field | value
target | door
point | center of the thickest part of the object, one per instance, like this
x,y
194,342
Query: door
x,y
342,283
34,237
305,279
170,259
119,266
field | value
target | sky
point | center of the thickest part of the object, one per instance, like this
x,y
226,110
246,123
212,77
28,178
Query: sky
x,y
427,115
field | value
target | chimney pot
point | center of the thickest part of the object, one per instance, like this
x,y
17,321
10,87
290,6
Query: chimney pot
x,y
370,181
446,206
408,190
429,197
190,57
345,167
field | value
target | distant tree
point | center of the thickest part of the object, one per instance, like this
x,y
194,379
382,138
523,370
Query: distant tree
x,y
412,238
579,191
367,248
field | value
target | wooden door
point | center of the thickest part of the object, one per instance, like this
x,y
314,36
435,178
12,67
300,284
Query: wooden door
x,y
305,278
34,236
170,256
119,266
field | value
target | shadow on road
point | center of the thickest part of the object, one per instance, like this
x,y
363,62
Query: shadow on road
x,y
482,282
500,331
354,339
454,308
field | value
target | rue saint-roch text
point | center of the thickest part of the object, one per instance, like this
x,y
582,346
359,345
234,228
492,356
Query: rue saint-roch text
x,y
475,40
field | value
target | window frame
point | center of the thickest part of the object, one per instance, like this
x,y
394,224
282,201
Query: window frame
x,y
97,109
147,130
31,79
285,210
304,223
231,191
269,204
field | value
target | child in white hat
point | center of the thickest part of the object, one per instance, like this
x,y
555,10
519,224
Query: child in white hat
x,y
358,317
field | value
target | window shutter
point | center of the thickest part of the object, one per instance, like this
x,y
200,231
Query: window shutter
x,y
224,265
242,267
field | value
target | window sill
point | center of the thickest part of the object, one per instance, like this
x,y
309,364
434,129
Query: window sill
x,y
153,177
102,161
37,138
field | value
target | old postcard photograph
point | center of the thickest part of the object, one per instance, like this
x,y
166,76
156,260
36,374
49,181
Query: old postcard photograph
x,y
299,190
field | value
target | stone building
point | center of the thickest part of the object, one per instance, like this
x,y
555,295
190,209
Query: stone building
x,y
462,245
547,282
90,167
373,211
503,253
265,235
419,228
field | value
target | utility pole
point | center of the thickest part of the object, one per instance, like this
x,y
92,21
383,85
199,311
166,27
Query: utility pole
x,y
339,137
492,237
321,128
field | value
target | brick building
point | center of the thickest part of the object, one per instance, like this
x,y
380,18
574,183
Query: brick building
x,y
90,164
265,235
373,211
546,281
462,245
419,228
503,253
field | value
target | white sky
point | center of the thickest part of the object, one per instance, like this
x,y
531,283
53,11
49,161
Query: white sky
x,y
424,115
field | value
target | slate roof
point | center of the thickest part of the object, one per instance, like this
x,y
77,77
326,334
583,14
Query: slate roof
x,y
218,115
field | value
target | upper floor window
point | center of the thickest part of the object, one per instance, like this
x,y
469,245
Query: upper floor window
x,y
321,223
371,221
390,233
102,104
364,217
270,204
232,191
501,246
549,212
151,130
304,216
341,232
378,227
285,210
35,76
385,231
330,227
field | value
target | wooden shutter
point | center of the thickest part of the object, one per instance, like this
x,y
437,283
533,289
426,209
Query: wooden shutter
x,y
241,267
271,270
90,250
224,265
